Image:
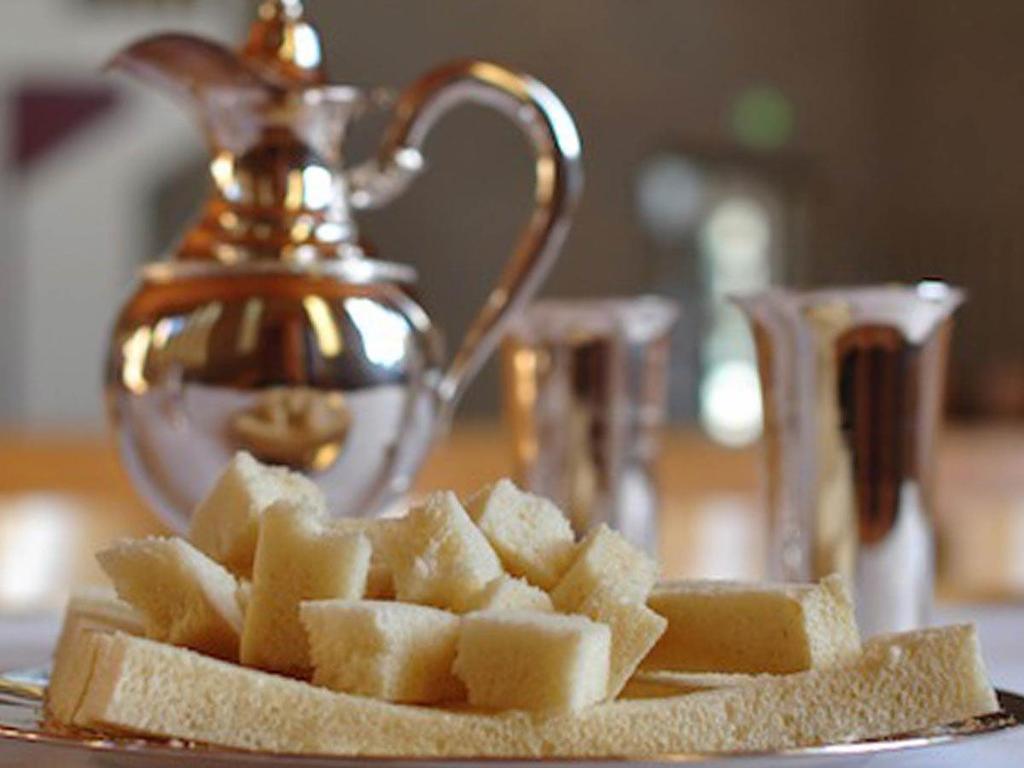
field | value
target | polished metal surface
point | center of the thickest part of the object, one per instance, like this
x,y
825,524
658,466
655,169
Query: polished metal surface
x,y
271,329
25,734
584,392
852,383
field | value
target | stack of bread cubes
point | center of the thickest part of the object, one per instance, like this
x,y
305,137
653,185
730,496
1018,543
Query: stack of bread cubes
x,y
439,632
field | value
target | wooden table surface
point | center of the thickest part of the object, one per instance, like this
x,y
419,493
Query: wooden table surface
x,y
64,496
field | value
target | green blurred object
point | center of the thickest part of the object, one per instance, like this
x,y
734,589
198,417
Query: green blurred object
x,y
762,117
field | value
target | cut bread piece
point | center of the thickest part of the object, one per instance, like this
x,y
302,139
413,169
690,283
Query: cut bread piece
x,y
438,556
635,629
383,649
658,685
242,596
297,558
380,583
530,534
96,609
226,523
508,594
900,684
719,626
605,560
534,661
184,597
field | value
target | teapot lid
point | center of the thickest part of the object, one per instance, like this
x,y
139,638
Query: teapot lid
x,y
283,46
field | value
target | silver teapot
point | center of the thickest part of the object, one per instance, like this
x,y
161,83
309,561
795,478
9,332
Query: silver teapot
x,y
271,328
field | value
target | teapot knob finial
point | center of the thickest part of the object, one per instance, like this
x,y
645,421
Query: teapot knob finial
x,y
283,46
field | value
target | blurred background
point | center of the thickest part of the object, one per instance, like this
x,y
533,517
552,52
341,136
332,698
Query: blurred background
x,y
729,145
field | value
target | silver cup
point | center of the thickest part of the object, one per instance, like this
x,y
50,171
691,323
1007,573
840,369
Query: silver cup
x,y
585,399
853,382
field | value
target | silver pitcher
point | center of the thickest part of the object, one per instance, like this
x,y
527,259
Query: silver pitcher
x,y
273,327
584,394
852,382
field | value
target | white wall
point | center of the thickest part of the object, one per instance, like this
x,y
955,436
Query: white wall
x,y
73,230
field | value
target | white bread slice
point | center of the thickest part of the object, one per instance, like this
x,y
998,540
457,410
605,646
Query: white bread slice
x,y
226,523
605,560
535,661
438,556
635,629
95,609
508,594
380,583
530,534
900,684
297,558
753,628
383,649
185,597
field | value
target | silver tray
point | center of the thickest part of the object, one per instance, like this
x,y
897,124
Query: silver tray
x,y
25,741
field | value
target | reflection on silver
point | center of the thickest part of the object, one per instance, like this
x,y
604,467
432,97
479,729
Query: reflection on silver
x,y
296,427
585,396
852,384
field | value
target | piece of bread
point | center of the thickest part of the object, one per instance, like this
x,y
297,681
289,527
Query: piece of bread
x,y
438,556
380,583
535,661
298,558
530,534
635,629
753,628
242,596
185,597
508,594
226,522
605,560
95,609
383,649
658,685
900,684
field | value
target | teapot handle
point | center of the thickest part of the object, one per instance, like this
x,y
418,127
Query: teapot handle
x,y
559,182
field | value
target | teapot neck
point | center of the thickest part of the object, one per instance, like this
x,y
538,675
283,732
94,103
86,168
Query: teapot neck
x,y
229,233
279,189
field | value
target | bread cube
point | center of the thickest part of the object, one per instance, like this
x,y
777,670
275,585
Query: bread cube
x,y
297,558
533,661
753,628
380,583
184,597
530,534
605,560
387,650
438,556
635,629
508,594
226,522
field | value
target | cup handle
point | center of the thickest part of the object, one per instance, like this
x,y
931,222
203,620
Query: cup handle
x,y
559,182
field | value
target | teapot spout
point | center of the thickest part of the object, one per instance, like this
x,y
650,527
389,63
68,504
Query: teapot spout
x,y
184,65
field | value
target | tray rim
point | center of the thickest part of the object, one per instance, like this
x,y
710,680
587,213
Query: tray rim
x,y
25,688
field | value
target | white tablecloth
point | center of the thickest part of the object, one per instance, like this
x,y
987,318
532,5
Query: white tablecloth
x,y
28,642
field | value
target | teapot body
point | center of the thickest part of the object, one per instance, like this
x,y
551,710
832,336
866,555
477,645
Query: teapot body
x,y
331,371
